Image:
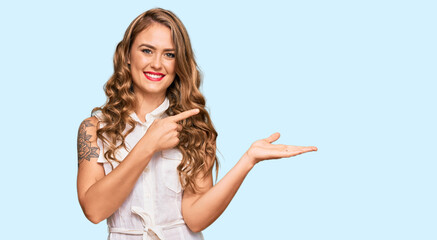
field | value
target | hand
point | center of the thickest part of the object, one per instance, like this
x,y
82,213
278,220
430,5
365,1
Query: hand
x,y
164,133
264,149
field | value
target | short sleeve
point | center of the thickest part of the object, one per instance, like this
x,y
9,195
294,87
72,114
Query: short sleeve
x,y
106,164
101,158
98,115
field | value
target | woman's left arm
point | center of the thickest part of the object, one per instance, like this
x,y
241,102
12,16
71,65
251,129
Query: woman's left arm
x,y
201,209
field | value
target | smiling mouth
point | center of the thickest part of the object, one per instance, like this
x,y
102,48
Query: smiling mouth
x,y
154,76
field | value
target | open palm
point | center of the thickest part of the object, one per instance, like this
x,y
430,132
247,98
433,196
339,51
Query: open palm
x,y
264,149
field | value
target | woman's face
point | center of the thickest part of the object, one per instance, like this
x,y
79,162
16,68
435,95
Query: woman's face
x,y
152,60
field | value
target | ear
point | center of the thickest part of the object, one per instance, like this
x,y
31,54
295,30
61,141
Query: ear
x,y
128,59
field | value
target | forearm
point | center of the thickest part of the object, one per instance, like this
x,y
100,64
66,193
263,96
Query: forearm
x,y
106,195
205,210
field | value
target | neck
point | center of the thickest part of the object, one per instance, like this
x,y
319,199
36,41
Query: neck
x,y
147,103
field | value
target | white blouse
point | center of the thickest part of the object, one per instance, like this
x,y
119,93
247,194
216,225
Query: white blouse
x,y
153,208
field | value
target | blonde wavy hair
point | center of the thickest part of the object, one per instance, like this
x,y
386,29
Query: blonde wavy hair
x,y
198,136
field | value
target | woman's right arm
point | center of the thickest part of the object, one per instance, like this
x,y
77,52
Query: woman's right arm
x,y
100,195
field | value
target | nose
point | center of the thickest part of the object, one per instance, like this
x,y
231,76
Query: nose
x,y
156,62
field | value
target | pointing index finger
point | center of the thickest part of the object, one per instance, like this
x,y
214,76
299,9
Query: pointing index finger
x,y
185,115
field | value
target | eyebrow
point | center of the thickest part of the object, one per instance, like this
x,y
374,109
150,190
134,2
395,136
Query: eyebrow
x,y
154,48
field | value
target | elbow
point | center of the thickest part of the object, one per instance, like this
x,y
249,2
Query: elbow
x,y
92,215
195,228
196,221
196,231
94,219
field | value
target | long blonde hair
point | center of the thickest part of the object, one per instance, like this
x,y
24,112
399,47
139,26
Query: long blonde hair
x,y
198,136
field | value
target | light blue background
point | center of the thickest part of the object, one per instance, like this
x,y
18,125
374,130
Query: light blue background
x,y
357,79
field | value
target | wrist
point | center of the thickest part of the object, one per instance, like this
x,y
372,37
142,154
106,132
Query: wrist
x,y
148,148
148,151
248,161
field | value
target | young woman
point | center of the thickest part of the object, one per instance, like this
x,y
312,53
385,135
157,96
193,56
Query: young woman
x,y
146,156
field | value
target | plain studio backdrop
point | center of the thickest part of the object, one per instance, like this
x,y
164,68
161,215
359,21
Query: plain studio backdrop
x,y
357,79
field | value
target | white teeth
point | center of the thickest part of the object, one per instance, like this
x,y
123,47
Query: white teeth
x,y
154,75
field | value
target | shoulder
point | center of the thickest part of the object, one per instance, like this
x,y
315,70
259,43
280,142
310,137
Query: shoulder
x,y
92,122
88,128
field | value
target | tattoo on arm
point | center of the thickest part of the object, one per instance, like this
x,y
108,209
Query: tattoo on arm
x,y
84,149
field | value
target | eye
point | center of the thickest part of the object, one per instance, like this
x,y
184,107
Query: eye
x,y
170,55
148,51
